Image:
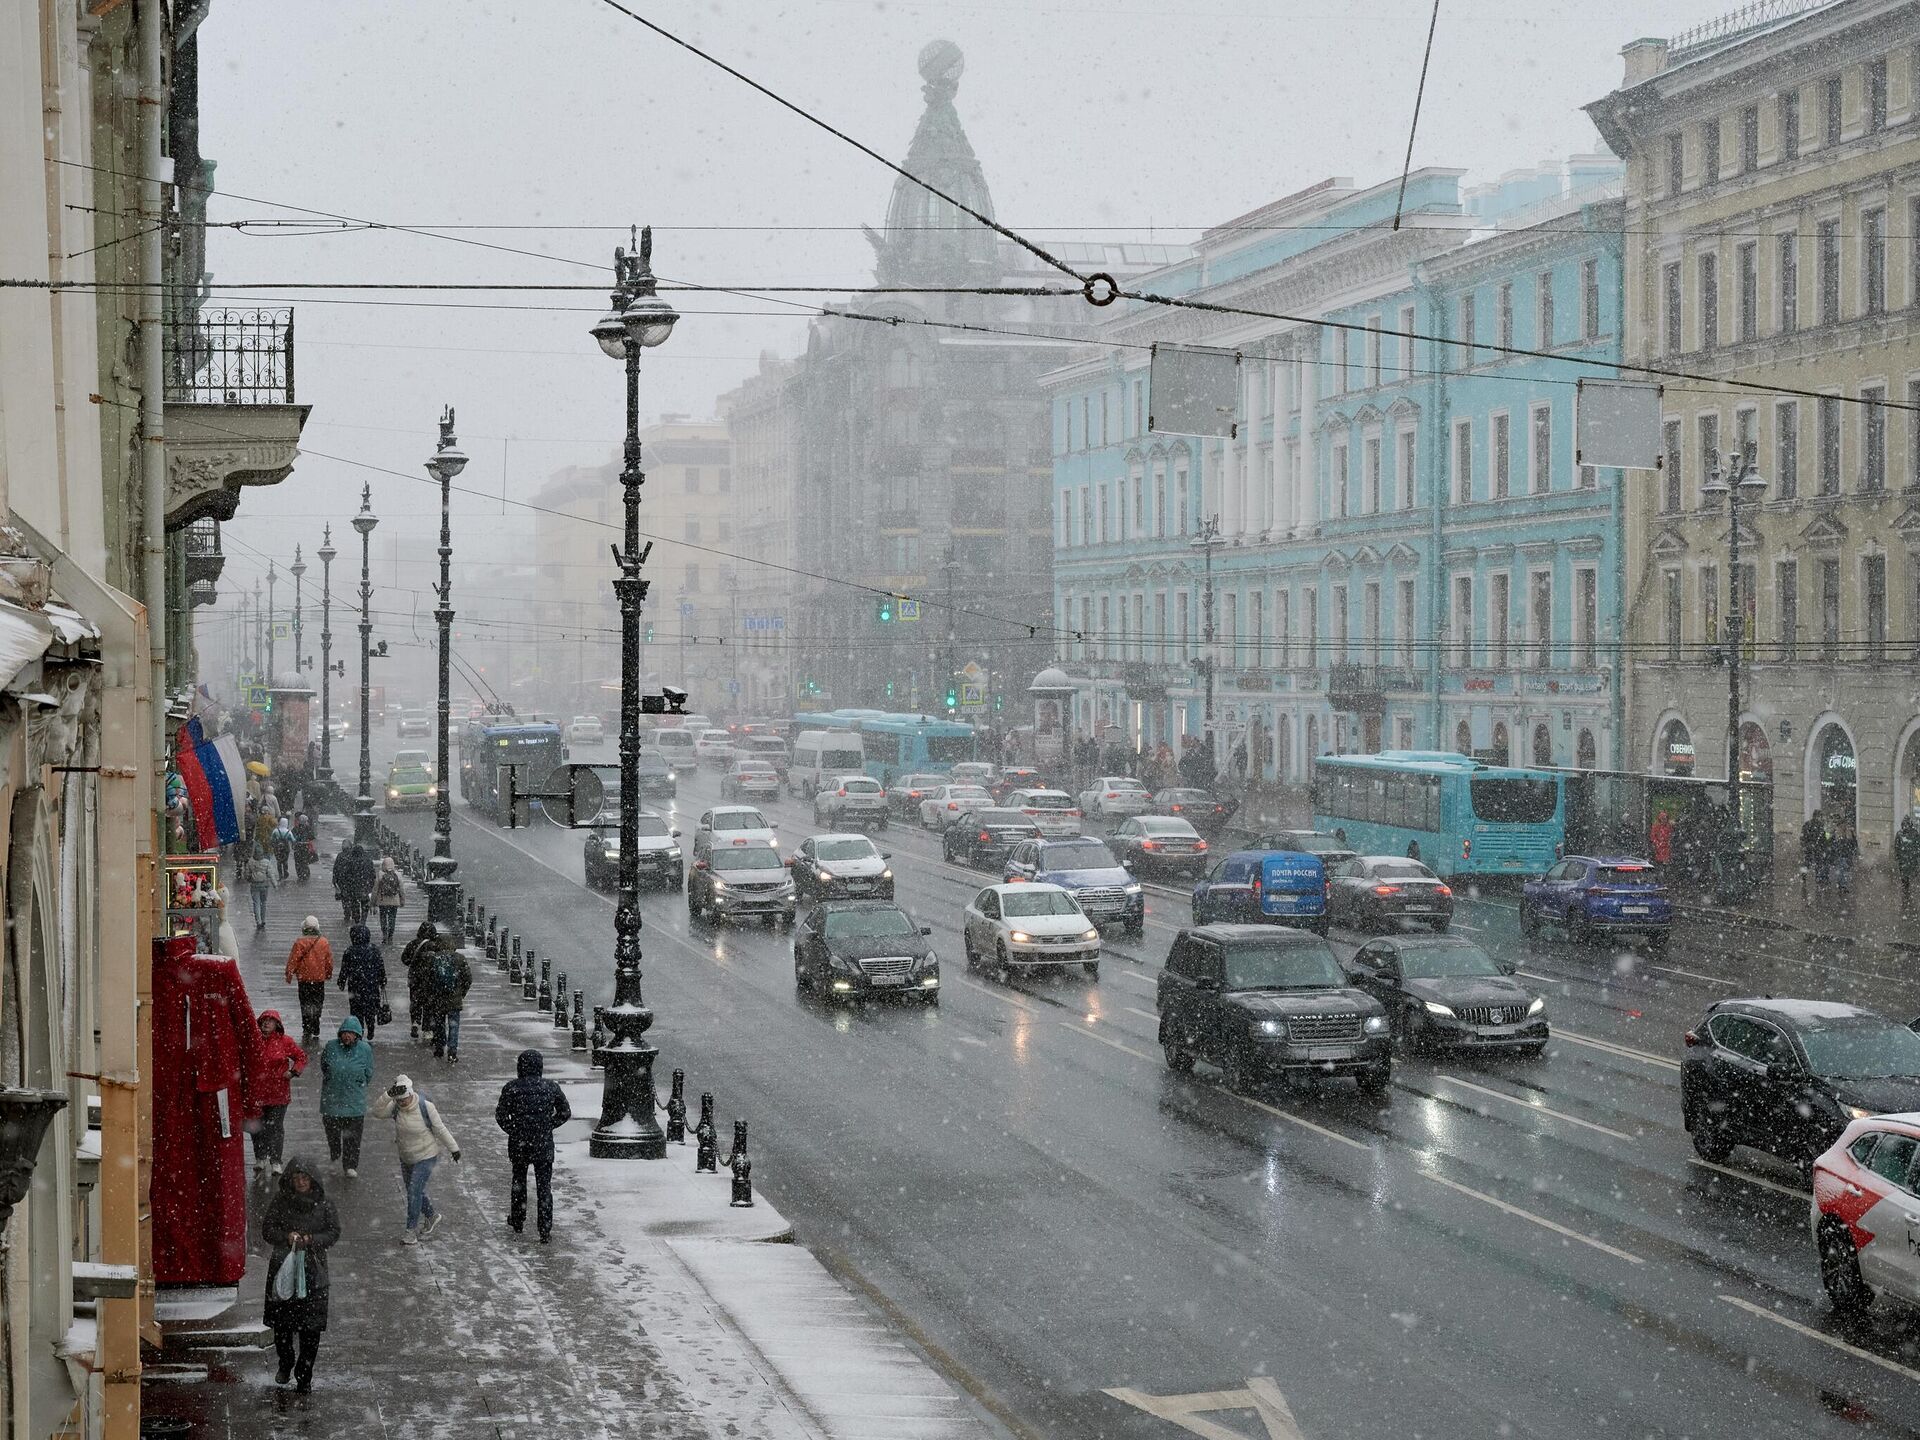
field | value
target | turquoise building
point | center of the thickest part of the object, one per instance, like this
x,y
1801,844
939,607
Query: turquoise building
x,y
1328,529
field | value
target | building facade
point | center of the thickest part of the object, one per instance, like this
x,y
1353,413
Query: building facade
x,y
759,417
1772,199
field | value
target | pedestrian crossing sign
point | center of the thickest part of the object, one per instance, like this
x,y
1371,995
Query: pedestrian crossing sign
x,y
907,610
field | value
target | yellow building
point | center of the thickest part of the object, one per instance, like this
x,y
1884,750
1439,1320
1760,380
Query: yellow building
x,y
1772,210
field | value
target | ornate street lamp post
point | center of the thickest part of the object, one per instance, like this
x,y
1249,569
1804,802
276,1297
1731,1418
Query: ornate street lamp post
x,y
1740,483
273,579
363,818
326,553
298,570
443,890
628,1129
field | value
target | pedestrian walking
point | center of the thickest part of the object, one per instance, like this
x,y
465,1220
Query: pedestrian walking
x,y
310,967
530,1109
450,979
1906,854
1814,855
421,1137
1660,840
282,838
353,881
300,1225
269,802
304,850
280,1060
346,1069
417,960
388,893
363,975
1843,848
259,885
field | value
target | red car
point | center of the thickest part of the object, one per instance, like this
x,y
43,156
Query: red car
x,y
1866,1214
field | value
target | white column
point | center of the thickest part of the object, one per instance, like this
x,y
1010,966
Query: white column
x,y
1283,404
1309,499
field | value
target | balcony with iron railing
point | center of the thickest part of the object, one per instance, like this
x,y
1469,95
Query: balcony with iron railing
x,y
231,416
231,357
200,544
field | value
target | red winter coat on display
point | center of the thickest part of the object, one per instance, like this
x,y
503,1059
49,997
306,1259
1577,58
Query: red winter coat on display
x,y
207,1077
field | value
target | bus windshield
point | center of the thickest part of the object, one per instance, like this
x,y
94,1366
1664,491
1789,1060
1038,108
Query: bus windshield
x,y
946,749
1515,800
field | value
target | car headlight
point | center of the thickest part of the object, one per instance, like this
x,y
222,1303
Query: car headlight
x,y
392,793
1377,1024
1019,937
1536,1007
1273,1027
719,885
1133,888
1434,1007
826,875
886,874
1090,933
433,790
1854,1112
928,961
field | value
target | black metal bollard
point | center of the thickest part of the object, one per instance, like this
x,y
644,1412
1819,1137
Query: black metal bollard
x,y
468,925
513,964
741,1167
479,931
493,936
526,976
677,1109
599,1061
560,1001
579,1021
500,958
543,998
706,1139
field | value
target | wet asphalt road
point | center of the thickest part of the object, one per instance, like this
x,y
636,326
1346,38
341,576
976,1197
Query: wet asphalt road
x,y
1506,1247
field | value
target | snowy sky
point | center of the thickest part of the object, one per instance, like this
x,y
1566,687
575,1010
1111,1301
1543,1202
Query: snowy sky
x,y
1087,114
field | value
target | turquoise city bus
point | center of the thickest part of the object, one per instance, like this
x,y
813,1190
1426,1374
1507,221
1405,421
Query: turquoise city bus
x,y
903,744
1466,818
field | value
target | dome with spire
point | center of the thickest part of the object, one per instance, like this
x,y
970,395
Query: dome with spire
x,y
928,241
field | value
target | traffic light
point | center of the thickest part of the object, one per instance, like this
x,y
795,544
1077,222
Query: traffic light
x,y
953,698
649,634
889,689
883,610
999,702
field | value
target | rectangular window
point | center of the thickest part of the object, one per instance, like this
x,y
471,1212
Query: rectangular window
x,y
1180,502
1670,482
1339,637
1829,608
1063,536
1257,626
1283,627
1873,261
691,581
1499,619
1462,461
693,529
1786,599
1373,350
1676,165
1339,362
1913,226
1710,604
1542,421
1710,151
1589,299
1139,506
1829,442
1403,627
1139,408
1502,457
690,480
1670,614
1505,315
1709,301
1339,477
1877,94
1790,125
1749,316
1544,305
1588,477
1104,438
1463,620
1709,446
1873,438
1748,577
1540,610
1230,633
1159,502
1749,139
1671,310
1370,473
1181,618
1826,262
1873,578
1913,440
1788,274
1086,515
1160,623
1370,617
1406,342
1832,113
1086,422
1404,456
1466,336
1310,630
1746,433
1586,583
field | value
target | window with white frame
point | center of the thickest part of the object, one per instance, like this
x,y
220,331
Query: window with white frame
x,y
1787,278
1256,627
1500,456
1747,316
1504,315
1671,307
1499,617
1670,453
1710,603
1873,438
1464,353
1373,350
1586,589
1913,438
1540,617
1462,621
1406,342
1709,301
1180,500
1370,473
1671,611
1404,620
1827,413
1370,618
1338,640
1786,449
1826,264
1160,625
1338,475
1405,460
1589,299
1310,625
1086,515
1709,433
1462,461
1543,308
1339,363
1541,422
1283,628
1789,104
1873,260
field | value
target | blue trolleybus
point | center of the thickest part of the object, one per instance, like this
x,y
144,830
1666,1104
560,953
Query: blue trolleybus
x,y
902,744
1465,817
486,746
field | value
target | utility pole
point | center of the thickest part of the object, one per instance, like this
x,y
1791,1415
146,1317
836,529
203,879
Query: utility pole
x,y
259,633
1741,483
951,564
327,671
273,578
1207,541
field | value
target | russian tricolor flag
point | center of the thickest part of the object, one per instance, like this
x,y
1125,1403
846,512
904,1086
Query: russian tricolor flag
x,y
215,777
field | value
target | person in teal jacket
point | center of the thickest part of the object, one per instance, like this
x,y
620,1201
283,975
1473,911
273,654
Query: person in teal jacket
x,y
346,1069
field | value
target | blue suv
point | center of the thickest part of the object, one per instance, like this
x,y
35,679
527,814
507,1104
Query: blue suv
x,y
1084,865
1599,895
1264,887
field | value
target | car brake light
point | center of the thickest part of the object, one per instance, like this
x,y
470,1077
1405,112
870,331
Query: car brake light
x,y
1445,889
1386,889
985,838
1595,890
1256,886
1176,809
843,790
1692,1038
953,804
1113,794
1466,849
1146,844
1199,844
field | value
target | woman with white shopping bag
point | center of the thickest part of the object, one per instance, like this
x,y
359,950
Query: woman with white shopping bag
x,y
300,1225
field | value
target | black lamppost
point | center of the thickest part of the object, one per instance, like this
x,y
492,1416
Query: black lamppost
x,y
273,579
1741,483
628,1129
363,818
443,890
298,570
326,553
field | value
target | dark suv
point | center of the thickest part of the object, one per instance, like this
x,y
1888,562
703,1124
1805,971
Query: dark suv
x,y
1258,999
1599,895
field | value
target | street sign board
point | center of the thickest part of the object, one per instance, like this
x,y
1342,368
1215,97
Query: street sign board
x,y
907,610
973,695
733,687
257,697
283,629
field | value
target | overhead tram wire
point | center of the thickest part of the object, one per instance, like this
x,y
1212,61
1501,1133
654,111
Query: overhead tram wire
x,y
1413,126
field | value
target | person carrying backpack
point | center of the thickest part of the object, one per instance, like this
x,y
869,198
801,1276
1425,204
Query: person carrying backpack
x,y
421,1137
451,978
531,1108
363,975
259,883
304,850
387,895
417,960
282,840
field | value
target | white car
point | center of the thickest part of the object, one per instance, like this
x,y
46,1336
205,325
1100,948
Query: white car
x,y
414,722
1052,810
749,777
713,747
735,825
1115,798
586,730
851,800
1028,927
950,802
972,772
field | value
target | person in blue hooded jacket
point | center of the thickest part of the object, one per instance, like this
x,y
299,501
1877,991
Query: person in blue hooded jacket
x,y
346,1070
531,1108
363,975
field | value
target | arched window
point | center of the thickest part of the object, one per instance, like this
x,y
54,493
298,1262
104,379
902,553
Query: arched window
x,y
1463,738
1502,747
1586,752
1542,744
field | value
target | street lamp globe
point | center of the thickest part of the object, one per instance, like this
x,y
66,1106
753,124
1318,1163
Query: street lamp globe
x,y
447,464
366,519
611,331
648,322
1752,485
299,566
326,552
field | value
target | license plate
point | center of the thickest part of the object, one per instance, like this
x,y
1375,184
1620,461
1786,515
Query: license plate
x,y
1328,1052
1636,909
889,979
1419,909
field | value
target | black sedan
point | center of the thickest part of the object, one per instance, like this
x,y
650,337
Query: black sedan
x,y
1443,991
847,949
987,838
1378,892
657,780
1786,1076
1206,812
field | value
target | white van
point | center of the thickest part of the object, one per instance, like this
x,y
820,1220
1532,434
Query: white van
x,y
818,755
677,748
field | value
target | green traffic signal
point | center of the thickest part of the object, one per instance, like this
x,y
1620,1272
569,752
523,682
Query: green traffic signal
x,y
883,610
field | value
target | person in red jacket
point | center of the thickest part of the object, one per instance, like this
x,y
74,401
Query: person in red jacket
x,y
281,1058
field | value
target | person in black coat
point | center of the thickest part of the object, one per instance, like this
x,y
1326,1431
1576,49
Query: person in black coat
x,y
300,1219
531,1108
353,875
363,975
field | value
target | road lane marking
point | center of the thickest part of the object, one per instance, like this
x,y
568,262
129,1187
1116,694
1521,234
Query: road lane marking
x,y
1759,1180
1534,1106
1262,1396
1013,1000
1108,1040
1143,1014
1625,1052
1138,979
1696,975
1542,1221
1825,1339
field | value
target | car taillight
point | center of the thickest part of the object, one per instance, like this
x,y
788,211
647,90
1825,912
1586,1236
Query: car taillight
x,y
1595,890
985,838
1256,887
953,804
843,790
1176,809
1466,849
1073,814
1386,889
1146,844
1199,844
1113,794
1445,889
1692,1038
